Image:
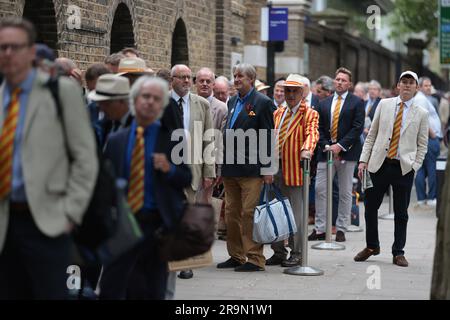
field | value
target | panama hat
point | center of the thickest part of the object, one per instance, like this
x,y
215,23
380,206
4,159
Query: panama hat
x,y
260,85
132,65
110,87
294,80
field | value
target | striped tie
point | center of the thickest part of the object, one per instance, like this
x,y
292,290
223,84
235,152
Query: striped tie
x,y
282,135
337,111
396,133
137,173
7,144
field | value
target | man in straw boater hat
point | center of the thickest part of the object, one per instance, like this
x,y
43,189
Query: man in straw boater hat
x,y
111,94
132,68
296,140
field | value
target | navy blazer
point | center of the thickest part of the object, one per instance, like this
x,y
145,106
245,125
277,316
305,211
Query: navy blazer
x,y
350,127
169,195
258,115
172,118
374,108
315,102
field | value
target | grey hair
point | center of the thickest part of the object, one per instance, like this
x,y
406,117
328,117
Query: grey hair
x,y
223,79
146,80
364,86
176,67
326,82
247,69
206,70
375,83
422,80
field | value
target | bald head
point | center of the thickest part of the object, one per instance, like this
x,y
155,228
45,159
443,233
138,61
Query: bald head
x,y
204,82
181,79
221,88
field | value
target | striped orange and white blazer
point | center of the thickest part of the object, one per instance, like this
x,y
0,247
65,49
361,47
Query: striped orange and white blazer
x,y
302,134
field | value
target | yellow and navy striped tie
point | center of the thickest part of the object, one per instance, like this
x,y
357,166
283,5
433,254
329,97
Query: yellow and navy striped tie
x,y
137,173
7,144
396,133
336,113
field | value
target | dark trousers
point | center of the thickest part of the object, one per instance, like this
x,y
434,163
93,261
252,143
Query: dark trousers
x,y
138,274
32,265
389,174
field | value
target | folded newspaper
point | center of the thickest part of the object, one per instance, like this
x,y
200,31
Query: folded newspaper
x,y
366,180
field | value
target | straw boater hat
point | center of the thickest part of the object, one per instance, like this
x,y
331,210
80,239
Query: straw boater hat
x,y
110,87
293,80
134,65
260,85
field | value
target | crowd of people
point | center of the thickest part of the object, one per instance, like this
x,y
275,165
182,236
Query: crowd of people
x,y
130,114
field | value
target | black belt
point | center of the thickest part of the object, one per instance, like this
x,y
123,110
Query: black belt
x,y
19,207
392,161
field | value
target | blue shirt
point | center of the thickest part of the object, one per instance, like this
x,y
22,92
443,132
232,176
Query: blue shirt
x,y
18,186
150,139
240,102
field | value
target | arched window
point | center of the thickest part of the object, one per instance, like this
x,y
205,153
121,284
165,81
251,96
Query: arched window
x,y
42,14
122,29
180,50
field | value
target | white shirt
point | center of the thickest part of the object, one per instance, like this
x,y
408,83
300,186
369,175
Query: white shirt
x,y
433,118
333,105
186,108
406,108
294,111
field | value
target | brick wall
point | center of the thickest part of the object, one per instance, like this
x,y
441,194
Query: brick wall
x,y
152,22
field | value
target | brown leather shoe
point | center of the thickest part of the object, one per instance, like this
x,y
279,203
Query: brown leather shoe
x,y
366,253
400,261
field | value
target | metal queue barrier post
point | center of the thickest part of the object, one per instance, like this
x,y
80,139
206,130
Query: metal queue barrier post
x,y
329,244
390,214
304,269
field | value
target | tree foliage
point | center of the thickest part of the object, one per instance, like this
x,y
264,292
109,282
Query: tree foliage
x,y
415,16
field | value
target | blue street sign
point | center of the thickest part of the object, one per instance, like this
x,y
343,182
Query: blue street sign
x,y
278,24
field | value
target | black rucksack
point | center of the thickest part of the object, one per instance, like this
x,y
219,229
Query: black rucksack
x,y
100,219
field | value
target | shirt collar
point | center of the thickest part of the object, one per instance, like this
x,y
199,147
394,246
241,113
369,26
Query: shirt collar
x,y
155,124
177,97
343,96
295,109
245,97
407,103
210,98
25,85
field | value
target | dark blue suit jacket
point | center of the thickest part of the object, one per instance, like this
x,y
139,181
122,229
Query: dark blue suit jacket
x,y
374,107
315,102
169,193
261,107
350,127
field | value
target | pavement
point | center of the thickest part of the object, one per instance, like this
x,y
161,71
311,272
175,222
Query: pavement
x,y
343,279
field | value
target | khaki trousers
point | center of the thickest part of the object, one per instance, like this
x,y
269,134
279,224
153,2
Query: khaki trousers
x,y
241,198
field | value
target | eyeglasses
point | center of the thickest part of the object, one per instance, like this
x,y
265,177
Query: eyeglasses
x,y
15,47
183,77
